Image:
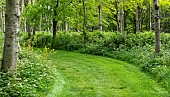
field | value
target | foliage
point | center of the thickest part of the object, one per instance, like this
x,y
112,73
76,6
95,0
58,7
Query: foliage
x,y
133,48
35,76
69,13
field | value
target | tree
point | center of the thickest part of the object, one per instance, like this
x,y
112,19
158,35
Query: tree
x,y
100,16
157,26
2,16
120,14
10,52
55,21
85,21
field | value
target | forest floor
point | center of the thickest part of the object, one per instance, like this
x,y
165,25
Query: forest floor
x,y
82,75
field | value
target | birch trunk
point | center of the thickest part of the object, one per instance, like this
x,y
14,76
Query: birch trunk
x,y
157,27
120,14
150,19
3,18
10,52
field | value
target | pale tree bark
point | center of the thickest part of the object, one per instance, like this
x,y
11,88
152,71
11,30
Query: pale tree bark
x,y
120,15
100,16
157,26
150,18
10,52
140,19
2,18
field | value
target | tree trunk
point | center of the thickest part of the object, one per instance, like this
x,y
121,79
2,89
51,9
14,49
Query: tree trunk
x,y
150,19
120,15
10,52
100,16
3,18
117,13
55,23
137,19
27,25
157,27
84,24
140,19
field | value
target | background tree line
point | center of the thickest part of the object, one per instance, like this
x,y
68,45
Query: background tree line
x,y
107,15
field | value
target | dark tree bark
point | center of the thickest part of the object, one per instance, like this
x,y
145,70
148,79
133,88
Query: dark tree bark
x,y
55,21
100,16
157,27
85,21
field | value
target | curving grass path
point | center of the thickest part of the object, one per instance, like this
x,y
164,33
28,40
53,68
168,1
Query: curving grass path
x,y
82,75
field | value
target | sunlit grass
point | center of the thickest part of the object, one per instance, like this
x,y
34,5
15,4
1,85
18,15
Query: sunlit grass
x,y
82,75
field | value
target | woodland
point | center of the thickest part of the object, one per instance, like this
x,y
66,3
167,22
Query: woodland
x,y
85,48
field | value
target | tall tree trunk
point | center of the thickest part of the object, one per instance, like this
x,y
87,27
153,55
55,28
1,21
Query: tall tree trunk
x,y
117,13
120,14
157,26
150,18
100,16
140,19
3,18
55,23
10,52
27,25
85,21
137,19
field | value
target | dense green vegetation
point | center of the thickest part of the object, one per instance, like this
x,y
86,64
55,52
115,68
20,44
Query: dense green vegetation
x,y
82,75
109,30
34,76
133,48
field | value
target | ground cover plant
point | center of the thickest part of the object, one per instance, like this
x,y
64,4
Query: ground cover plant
x,y
133,48
35,75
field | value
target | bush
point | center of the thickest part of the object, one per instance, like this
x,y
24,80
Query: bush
x,y
34,78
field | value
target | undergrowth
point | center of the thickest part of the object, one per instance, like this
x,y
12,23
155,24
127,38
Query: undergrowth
x,y
35,75
133,48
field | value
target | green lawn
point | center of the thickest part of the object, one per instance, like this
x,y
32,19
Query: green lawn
x,y
82,75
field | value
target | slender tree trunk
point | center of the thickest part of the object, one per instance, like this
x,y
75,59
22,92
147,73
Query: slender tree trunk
x,y
10,52
55,23
140,19
3,18
150,19
84,24
120,14
157,27
100,16
27,25
117,13
137,19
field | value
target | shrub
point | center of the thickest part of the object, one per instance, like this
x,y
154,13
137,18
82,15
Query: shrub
x,y
34,78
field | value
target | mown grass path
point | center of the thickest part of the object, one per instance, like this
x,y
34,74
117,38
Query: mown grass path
x,y
82,75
